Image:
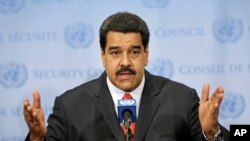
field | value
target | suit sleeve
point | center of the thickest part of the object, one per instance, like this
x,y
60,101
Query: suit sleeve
x,y
57,123
193,117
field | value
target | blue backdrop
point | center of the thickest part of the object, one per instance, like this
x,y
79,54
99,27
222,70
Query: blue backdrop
x,y
52,46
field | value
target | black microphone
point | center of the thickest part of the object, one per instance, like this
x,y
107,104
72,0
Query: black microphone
x,y
127,108
127,122
127,116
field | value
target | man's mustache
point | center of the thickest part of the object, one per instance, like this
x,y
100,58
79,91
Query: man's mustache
x,y
125,69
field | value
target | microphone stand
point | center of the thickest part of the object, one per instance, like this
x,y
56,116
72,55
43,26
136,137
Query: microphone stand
x,y
128,134
126,124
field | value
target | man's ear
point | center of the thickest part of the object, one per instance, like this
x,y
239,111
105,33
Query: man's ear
x,y
103,57
146,56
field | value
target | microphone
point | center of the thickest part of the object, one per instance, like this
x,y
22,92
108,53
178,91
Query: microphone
x,y
127,116
126,106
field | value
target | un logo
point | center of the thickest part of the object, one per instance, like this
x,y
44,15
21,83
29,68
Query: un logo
x,y
162,67
155,3
79,35
232,106
227,30
13,75
127,102
11,6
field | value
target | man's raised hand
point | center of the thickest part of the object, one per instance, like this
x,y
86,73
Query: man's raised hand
x,y
209,109
34,117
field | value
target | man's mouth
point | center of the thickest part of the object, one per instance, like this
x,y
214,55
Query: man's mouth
x,y
125,75
125,70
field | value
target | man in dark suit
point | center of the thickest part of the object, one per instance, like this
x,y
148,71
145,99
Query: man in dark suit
x,y
166,110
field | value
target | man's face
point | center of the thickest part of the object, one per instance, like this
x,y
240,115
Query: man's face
x,y
124,59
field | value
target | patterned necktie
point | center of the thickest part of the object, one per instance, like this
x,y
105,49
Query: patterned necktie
x,y
131,129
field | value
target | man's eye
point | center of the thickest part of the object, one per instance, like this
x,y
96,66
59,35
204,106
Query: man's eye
x,y
114,52
136,52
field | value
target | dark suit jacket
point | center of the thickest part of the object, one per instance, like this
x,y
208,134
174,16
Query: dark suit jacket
x,y
168,112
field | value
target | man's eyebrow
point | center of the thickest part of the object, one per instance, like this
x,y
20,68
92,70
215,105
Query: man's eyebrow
x,y
132,47
113,47
136,47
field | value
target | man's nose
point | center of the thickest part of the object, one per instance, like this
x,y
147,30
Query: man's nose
x,y
125,60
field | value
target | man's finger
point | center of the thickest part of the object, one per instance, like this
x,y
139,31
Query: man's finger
x,y
27,112
36,100
219,95
205,92
25,104
216,99
26,108
35,118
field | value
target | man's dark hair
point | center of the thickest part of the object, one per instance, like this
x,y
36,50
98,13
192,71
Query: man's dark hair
x,y
124,22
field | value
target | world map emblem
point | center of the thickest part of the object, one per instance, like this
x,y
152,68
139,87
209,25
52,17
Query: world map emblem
x,y
13,75
162,67
79,35
232,106
155,3
228,30
11,6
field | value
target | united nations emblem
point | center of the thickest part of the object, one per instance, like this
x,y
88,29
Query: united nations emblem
x,y
13,75
232,106
155,3
162,67
227,30
79,35
11,6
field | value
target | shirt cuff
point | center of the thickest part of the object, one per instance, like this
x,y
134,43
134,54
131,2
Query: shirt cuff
x,y
217,136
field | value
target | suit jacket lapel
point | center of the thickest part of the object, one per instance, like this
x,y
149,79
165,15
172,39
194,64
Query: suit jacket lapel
x,y
148,107
105,105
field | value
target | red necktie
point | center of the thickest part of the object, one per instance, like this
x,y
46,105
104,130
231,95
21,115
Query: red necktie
x,y
133,125
127,96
